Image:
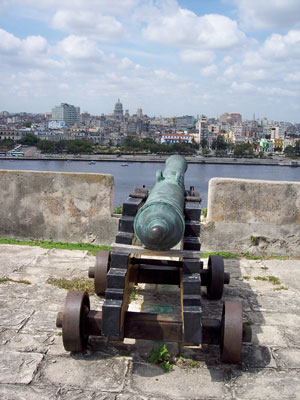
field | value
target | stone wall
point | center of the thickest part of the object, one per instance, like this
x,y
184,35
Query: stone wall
x,y
68,207
252,216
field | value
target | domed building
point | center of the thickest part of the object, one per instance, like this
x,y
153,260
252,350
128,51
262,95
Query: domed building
x,y
118,112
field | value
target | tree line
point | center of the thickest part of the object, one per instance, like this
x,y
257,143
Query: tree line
x,y
146,145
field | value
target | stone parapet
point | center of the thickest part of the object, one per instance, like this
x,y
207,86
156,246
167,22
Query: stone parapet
x,y
75,207
252,216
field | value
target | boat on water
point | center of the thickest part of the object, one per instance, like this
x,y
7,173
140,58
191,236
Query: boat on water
x,y
92,163
124,165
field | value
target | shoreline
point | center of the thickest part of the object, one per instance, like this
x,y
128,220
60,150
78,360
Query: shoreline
x,y
160,159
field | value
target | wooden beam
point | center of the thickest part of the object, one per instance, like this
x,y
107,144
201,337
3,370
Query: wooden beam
x,y
124,248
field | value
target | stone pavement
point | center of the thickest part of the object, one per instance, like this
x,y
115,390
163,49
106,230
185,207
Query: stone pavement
x,y
34,364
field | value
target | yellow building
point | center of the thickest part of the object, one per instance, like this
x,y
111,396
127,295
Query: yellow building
x,y
278,143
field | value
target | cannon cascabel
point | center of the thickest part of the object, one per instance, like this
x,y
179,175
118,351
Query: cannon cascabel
x,y
159,224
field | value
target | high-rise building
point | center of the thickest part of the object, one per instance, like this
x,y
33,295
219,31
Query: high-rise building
x,y
139,113
118,112
67,113
203,128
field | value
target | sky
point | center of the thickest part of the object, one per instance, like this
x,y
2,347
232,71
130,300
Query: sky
x,y
168,57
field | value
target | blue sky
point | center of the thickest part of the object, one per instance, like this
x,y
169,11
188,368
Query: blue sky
x,y
168,57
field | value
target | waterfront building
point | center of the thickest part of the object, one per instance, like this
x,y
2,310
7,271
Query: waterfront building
x,y
176,138
12,134
278,143
67,113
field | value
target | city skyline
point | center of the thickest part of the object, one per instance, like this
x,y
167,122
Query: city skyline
x,y
167,57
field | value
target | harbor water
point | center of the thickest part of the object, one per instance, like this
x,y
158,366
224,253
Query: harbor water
x,y
132,174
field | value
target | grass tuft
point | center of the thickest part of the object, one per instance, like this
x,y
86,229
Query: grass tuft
x,y
281,288
274,280
271,278
86,285
224,254
261,278
23,281
47,244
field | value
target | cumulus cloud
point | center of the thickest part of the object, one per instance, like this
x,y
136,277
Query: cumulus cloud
x,y
31,51
8,42
282,46
197,56
210,70
105,6
78,47
185,28
267,14
94,25
242,87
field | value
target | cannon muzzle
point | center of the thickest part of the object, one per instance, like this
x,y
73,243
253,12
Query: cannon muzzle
x,y
159,224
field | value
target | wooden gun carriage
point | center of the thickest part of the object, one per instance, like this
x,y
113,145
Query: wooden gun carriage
x,y
166,216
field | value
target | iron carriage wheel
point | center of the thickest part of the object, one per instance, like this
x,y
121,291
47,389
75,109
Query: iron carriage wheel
x,y
231,332
99,272
74,321
216,277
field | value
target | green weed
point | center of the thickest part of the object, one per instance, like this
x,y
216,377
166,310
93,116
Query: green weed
x,y
24,281
118,210
274,280
271,278
86,285
160,356
224,254
281,288
193,364
261,278
246,277
133,294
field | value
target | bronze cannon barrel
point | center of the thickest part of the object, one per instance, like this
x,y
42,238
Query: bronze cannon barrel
x,y
159,224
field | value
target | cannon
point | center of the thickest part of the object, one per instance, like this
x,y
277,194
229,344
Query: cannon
x,y
159,224
158,242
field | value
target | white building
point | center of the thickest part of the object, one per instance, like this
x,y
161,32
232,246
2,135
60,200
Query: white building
x,y
67,113
176,138
56,124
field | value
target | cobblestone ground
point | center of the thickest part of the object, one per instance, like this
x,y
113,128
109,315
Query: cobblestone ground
x,y
34,364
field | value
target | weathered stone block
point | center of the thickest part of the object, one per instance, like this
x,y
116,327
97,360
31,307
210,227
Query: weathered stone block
x,y
60,206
